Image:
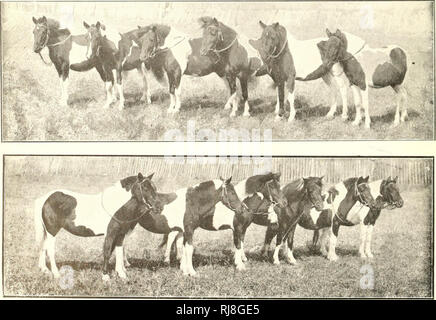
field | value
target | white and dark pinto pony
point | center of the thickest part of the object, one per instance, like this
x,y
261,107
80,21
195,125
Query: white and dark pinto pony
x,y
363,69
221,50
64,49
386,195
117,53
84,215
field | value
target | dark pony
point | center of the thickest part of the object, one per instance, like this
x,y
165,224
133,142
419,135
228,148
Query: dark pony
x,y
220,42
278,64
302,195
59,42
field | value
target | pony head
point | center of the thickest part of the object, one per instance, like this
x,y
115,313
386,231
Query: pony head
x,y
212,34
40,34
271,41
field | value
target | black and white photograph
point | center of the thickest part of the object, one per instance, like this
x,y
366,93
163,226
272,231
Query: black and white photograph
x,y
167,71
226,227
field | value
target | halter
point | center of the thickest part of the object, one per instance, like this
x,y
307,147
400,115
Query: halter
x,y
359,194
274,56
218,51
51,45
224,194
386,204
157,49
145,202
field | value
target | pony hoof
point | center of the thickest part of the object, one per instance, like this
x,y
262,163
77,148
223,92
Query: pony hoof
x,y
277,118
276,262
122,275
344,117
395,124
291,118
367,126
362,255
246,114
244,259
370,255
240,267
233,114
354,123
292,262
228,106
56,275
193,274
105,277
329,116
332,257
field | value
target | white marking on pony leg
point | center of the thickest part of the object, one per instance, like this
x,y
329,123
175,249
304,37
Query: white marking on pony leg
x,y
291,259
146,96
343,91
189,252
398,95
234,103
109,98
119,257
276,254
171,108
228,104
177,97
358,104
179,245
238,260
332,248
171,236
363,233
265,249
183,267
246,109
126,262
51,241
333,104
121,93
403,104
365,105
368,241
42,263
291,99
243,256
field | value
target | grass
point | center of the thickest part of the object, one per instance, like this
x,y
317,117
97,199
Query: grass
x,y
31,111
402,245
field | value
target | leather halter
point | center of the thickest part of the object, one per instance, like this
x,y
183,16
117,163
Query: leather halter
x,y
386,203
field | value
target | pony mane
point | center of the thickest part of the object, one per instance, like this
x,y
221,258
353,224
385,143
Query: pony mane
x,y
53,24
206,20
126,183
295,186
350,182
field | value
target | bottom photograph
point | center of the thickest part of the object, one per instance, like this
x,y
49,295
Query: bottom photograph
x,y
224,227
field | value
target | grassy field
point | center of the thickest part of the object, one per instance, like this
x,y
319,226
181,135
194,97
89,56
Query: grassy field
x,y
401,244
31,94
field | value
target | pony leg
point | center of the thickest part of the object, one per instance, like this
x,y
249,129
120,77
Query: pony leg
x,y
290,84
365,105
328,80
109,97
126,262
403,104
323,241
368,241
289,251
333,240
363,236
186,263
146,95
243,256
189,249
244,89
42,255
119,82
171,236
277,109
119,258
343,91
233,100
179,245
51,241
279,243
281,95
177,96
358,104
228,104
238,250
269,235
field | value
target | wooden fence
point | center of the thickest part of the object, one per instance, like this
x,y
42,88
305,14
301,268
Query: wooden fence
x,y
411,171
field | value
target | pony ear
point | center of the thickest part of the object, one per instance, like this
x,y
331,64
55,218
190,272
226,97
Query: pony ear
x,y
228,181
44,19
34,20
366,179
321,177
395,179
275,25
139,27
153,28
85,25
140,176
204,21
150,176
263,25
329,34
215,21
277,175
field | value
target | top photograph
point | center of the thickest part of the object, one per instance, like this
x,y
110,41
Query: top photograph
x,y
211,71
